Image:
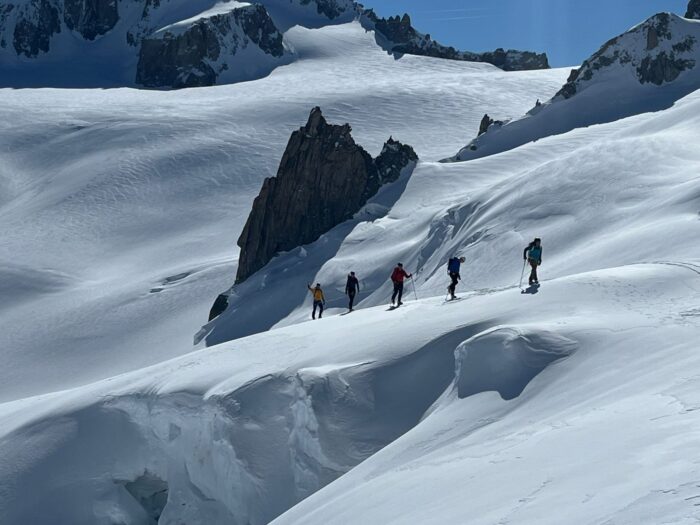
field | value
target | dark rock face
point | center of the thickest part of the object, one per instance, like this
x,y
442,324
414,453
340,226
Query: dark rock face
x,y
219,307
328,8
179,61
34,30
486,123
394,157
90,18
324,178
185,59
659,61
693,10
5,11
399,36
662,68
260,29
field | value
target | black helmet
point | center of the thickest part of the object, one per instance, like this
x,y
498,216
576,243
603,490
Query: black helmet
x,y
400,265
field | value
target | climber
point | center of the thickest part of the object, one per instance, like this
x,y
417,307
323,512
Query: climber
x,y
453,266
397,277
533,255
352,288
319,300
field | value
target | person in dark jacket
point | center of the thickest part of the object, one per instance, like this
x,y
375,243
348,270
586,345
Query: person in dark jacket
x,y
352,288
319,300
453,267
533,255
397,277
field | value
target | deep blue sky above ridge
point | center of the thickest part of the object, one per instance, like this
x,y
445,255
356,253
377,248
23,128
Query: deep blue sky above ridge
x,y
568,30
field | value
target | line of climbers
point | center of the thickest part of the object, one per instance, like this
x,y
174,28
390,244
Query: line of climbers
x,y
532,255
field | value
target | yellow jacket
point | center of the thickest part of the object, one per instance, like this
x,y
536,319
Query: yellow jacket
x,y
317,293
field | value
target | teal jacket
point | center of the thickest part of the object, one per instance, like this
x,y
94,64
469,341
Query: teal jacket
x,y
533,252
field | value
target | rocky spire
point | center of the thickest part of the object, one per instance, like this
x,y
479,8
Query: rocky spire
x,y
693,9
324,178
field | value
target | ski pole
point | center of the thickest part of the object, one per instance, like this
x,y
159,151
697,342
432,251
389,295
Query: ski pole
x,y
413,281
522,274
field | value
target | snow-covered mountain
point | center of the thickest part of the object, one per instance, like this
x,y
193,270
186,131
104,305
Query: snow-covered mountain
x,y
398,36
647,68
152,43
178,43
575,400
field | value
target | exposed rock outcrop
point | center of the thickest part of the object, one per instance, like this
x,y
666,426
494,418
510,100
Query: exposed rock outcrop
x,y
218,307
91,18
664,56
693,10
179,44
646,69
194,54
324,178
397,35
38,21
331,9
486,123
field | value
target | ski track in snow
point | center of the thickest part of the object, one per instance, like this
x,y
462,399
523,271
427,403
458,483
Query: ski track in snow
x,y
500,408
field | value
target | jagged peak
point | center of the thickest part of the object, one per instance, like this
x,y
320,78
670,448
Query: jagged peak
x,y
658,50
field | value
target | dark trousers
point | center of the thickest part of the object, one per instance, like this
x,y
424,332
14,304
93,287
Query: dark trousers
x,y
398,291
453,286
319,305
533,273
351,295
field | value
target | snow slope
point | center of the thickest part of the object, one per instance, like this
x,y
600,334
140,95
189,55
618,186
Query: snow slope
x,y
240,432
646,69
575,399
136,198
596,371
601,196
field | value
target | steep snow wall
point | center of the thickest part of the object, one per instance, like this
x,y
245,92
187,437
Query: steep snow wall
x,y
243,456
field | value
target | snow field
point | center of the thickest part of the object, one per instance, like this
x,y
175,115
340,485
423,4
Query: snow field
x,y
124,189
504,407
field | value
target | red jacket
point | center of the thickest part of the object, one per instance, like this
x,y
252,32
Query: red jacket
x,y
398,275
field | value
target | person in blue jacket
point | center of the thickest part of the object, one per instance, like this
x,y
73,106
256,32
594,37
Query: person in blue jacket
x,y
533,255
453,266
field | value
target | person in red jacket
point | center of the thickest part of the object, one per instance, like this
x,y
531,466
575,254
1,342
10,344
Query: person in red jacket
x,y
397,277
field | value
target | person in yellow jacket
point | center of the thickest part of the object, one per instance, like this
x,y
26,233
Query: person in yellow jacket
x,y
319,300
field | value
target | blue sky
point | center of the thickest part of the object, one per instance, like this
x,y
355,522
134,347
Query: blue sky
x,y
568,30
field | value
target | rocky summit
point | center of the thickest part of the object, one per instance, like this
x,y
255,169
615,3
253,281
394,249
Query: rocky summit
x,y
324,178
193,55
150,43
397,35
658,51
693,10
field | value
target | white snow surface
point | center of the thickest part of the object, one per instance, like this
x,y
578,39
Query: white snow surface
x,y
222,8
136,198
575,399
612,92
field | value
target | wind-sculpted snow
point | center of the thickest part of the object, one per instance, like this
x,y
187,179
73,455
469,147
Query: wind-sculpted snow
x,y
577,398
123,190
243,453
242,432
506,359
601,196
602,435
648,68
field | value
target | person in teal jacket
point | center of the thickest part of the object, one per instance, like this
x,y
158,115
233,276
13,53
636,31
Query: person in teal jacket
x,y
533,255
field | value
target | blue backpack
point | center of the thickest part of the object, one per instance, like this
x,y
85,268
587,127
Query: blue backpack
x,y
453,265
